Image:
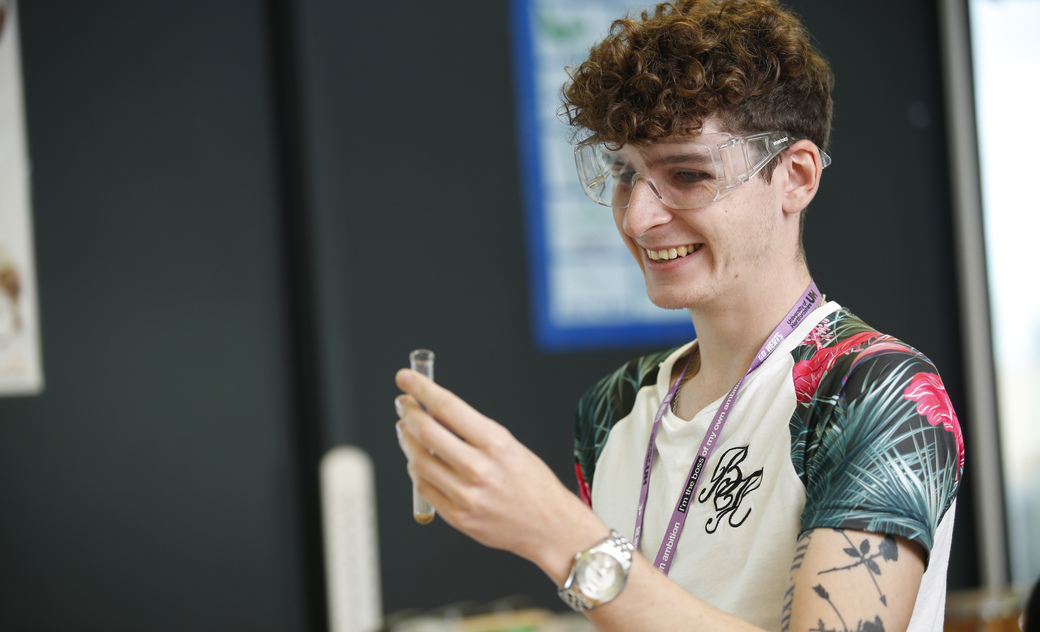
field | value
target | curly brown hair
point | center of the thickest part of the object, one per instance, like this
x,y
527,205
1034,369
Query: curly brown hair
x,y
748,62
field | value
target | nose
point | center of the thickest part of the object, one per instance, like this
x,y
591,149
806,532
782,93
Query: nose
x,y
645,209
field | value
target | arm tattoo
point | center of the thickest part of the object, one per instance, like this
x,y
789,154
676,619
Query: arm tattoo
x,y
799,555
799,549
888,552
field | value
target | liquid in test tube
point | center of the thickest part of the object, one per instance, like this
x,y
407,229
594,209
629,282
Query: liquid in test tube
x,y
423,512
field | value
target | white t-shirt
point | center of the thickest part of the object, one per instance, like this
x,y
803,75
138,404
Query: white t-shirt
x,y
822,434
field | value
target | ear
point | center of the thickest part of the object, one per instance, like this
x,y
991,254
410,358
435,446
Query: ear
x,y
803,168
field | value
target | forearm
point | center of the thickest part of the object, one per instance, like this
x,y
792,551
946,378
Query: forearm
x,y
651,602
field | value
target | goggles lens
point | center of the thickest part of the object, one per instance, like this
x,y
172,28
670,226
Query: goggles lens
x,y
681,173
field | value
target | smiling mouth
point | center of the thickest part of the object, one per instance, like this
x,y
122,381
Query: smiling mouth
x,y
672,253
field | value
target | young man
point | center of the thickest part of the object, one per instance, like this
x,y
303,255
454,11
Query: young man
x,y
791,468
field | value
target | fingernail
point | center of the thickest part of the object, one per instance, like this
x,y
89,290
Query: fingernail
x,y
398,406
397,428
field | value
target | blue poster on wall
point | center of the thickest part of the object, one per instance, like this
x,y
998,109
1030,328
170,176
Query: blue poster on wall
x,y
586,291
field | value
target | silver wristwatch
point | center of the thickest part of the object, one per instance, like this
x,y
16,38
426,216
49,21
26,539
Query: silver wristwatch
x,y
598,574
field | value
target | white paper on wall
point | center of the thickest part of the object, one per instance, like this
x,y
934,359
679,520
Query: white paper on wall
x,y
20,365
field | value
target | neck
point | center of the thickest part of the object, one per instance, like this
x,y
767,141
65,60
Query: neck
x,y
732,330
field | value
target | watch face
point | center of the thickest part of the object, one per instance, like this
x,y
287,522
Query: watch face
x,y
599,575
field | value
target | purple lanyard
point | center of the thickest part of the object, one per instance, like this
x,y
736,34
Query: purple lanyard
x,y
805,305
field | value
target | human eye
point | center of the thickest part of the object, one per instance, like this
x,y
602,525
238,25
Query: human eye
x,y
690,177
622,172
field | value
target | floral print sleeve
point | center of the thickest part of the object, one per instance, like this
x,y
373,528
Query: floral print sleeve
x,y
875,439
603,406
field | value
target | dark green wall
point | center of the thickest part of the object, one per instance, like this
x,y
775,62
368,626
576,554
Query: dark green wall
x,y
247,213
151,487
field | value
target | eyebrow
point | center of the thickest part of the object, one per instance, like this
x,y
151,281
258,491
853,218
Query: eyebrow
x,y
679,159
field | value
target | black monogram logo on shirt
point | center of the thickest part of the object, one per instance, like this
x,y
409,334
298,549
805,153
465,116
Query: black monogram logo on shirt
x,y
728,488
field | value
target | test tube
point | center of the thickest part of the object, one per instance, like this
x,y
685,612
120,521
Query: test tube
x,y
423,512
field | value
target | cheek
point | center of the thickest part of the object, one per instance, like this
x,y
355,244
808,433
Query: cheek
x,y
619,222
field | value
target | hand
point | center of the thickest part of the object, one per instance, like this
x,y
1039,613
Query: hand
x,y
485,483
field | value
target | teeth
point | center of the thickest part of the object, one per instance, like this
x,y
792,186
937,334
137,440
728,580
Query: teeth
x,y
671,253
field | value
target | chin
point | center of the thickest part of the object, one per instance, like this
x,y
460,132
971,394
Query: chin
x,y
670,300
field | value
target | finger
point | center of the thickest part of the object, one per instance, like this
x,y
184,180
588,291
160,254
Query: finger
x,y
416,455
428,470
449,409
409,446
433,436
446,508
439,501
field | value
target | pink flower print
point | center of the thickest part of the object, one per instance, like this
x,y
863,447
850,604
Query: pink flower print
x,y
934,404
808,373
821,335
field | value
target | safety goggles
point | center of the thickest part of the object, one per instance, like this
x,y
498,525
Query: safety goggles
x,y
681,173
